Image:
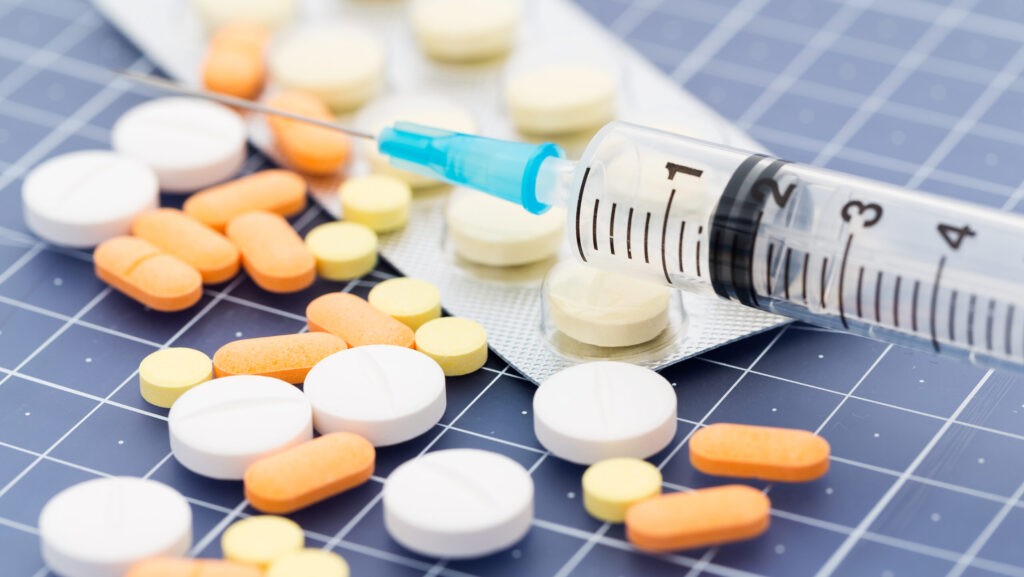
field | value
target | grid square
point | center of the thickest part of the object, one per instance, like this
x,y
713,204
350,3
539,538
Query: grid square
x,y
131,396
806,356
897,138
124,102
120,313
389,458
766,54
11,249
222,493
55,282
228,321
1007,111
729,97
106,47
976,50
606,561
88,360
1004,544
31,27
362,564
459,440
940,93
558,494
25,499
788,549
743,353
662,29
505,411
1004,9
17,136
55,92
204,520
976,459
934,516
21,332
886,29
541,552
844,495
116,441
806,12
870,558
329,516
810,117
461,391
999,404
74,143
20,552
12,463
900,435
34,416
771,402
920,381
986,158
699,385
847,72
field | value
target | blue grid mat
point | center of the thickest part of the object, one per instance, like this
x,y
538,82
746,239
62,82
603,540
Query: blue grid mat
x,y
928,462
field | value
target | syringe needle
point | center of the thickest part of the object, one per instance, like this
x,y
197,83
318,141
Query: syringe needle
x,y
170,86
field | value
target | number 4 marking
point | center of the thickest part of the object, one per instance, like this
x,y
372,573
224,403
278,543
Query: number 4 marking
x,y
674,168
955,235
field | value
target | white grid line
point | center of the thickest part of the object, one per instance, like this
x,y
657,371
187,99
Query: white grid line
x,y
724,31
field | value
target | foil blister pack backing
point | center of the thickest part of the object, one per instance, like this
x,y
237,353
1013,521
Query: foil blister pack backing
x,y
506,302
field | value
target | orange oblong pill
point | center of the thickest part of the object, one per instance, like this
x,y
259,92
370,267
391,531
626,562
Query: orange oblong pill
x,y
307,148
356,321
769,453
286,357
143,272
308,473
176,233
272,252
234,62
179,567
275,190
704,517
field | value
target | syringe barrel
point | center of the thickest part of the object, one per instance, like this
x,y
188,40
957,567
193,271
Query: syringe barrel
x,y
809,243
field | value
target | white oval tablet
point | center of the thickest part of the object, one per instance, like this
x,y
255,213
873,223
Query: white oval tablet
x,y
490,231
561,99
81,199
342,65
385,393
425,110
458,503
220,427
190,143
605,309
465,30
99,528
269,13
596,411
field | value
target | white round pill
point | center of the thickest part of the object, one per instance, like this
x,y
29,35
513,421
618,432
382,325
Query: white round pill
x,y
561,99
465,30
341,64
99,528
81,199
222,426
458,503
490,231
605,409
385,393
269,13
190,143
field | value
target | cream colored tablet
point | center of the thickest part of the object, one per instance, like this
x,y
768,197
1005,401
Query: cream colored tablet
x,y
309,563
465,30
425,110
605,309
410,300
343,250
166,374
490,231
190,143
561,99
270,13
378,201
458,345
343,65
101,527
261,540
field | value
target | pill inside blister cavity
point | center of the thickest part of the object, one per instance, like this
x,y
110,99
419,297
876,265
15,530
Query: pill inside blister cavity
x,y
489,231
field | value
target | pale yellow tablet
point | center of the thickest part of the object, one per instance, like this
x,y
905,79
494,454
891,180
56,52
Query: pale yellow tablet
x,y
309,563
458,345
378,201
269,13
261,540
613,485
410,300
465,30
561,99
490,231
343,250
166,374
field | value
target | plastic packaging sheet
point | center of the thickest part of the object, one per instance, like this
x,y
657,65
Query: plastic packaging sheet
x,y
506,302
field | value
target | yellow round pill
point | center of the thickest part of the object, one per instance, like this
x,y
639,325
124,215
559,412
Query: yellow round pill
x,y
343,250
261,540
613,485
378,201
166,374
458,345
308,563
411,301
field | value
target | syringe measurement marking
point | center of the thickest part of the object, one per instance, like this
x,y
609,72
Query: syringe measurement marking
x,y
629,234
700,231
593,228
785,283
579,211
611,230
750,260
970,319
860,284
1009,331
842,281
824,268
878,297
647,228
952,316
682,231
988,324
896,302
935,301
807,258
768,269
664,235
913,306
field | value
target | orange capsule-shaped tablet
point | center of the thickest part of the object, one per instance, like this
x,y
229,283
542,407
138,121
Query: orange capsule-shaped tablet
x,y
355,321
234,60
179,567
272,252
308,473
307,148
704,517
769,453
142,271
279,191
175,232
285,357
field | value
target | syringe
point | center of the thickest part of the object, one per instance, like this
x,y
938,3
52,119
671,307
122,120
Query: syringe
x,y
831,249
